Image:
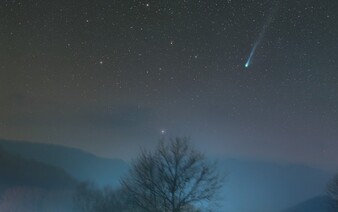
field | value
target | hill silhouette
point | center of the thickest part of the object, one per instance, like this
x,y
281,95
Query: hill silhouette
x,y
18,171
27,185
316,204
79,164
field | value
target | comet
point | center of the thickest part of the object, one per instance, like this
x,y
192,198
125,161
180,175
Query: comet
x,y
247,63
262,33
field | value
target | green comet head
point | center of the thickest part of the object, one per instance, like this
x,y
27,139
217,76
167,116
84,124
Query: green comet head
x,y
246,64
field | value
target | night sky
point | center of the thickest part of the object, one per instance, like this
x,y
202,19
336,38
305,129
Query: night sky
x,y
111,76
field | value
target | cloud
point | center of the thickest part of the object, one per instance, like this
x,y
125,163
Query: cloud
x,y
117,117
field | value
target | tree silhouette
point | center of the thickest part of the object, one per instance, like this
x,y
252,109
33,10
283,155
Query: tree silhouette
x,y
175,177
332,192
90,198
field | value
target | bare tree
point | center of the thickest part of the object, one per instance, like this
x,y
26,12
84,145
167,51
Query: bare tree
x,y
87,197
332,192
175,177
90,198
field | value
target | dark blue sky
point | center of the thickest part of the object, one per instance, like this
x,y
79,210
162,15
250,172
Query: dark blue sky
x,y
109,76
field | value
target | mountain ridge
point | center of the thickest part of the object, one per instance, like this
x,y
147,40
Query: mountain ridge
x,y
250,185
80,164
315,204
